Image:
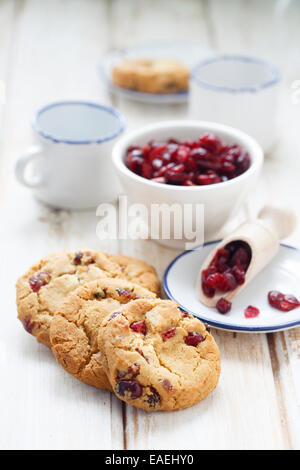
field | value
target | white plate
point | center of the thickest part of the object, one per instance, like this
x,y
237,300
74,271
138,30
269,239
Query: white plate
x,y
188,53
282,274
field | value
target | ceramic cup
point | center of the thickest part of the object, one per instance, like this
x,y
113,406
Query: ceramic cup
x,y
238,91
71,160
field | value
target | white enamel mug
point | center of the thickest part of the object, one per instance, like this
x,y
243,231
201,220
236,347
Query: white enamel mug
x,y
72,161
238,91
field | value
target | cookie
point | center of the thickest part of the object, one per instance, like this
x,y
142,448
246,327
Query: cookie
x,y
157,357
75,326
151,76
41,290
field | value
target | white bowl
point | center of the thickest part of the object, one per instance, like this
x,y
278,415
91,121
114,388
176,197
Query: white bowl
x,y
219,200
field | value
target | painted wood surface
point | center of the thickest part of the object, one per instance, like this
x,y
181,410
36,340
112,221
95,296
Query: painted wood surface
x,y
49,51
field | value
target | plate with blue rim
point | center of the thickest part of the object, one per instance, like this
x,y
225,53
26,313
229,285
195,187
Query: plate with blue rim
x,y
189,53
281,274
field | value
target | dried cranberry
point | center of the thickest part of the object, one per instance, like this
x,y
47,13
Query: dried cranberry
x,y
229,282
239,274
210,142
139,327
78,257
223,305
283,302
129,373
39,280
194,338
146,170
215,280
168,334
28,324
186,315
208,179
242,163
182,154
241,255
125,293
167,385
153,399
208,291
227,269
156,163
208,159
251,312
130,388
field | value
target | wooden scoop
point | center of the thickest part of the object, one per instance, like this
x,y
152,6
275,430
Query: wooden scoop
x,y
262,236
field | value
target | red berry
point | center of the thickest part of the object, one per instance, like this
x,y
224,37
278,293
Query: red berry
x,y
229,282
223,305
208,291
168,334
242,255
153,398
238,274
194,338
157,163
78,257
139,327
39,280
251,312
125,293
182,154
283,302
28,324
227,269
146,170
131,388
210,142
208,179
207,159
167,385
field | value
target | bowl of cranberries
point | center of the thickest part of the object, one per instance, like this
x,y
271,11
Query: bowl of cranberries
x,y
189,162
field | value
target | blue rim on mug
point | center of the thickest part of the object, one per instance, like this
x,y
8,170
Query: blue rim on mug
x,y
108,109
220,324
236,58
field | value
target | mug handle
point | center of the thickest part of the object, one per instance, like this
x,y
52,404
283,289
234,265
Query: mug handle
x,y
33,153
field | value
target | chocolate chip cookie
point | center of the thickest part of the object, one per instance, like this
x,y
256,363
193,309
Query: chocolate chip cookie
x,y
151,76
41,290
75,326
157,357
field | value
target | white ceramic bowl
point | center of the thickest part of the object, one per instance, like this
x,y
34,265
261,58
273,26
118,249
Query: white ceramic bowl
x,y
219,200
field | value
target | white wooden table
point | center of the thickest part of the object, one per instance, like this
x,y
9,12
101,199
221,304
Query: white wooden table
x,y
49,51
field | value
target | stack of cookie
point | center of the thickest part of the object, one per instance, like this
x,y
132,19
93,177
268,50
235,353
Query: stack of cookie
x,y
102,317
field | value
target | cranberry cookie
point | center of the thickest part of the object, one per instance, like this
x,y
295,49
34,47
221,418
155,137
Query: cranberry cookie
x,y
41,290
151,76
157,357
75,326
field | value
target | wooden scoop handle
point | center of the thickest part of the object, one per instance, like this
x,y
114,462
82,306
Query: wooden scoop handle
x,y
281,221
